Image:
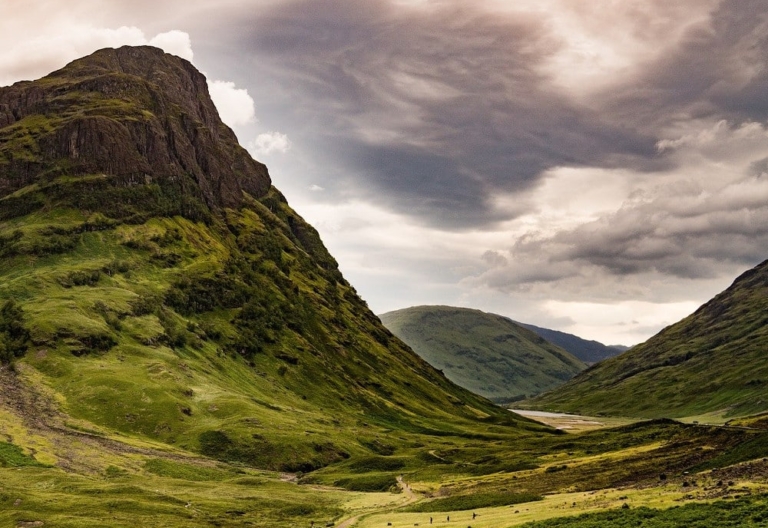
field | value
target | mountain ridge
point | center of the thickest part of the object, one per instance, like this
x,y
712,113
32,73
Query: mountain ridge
x,y
589,351
711,362
152,121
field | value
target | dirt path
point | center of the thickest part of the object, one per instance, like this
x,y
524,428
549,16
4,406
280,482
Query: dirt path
x,y
433,453
410,497
349,522
407,490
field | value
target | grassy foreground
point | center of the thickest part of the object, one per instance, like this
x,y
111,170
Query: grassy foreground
x,y
664,472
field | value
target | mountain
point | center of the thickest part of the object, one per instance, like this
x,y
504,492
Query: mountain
x,y
713,361
485,353
155,286
178,348
588,351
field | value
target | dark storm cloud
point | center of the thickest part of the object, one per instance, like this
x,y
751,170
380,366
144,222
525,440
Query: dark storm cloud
x,y
718,69
741,36
437,110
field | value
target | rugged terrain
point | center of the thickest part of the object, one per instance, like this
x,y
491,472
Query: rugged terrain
x,y
485,353
178,348
162,288
711,364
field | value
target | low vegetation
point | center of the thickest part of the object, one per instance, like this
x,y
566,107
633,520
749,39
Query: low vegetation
x,y
750,511
174,353
14,337
473,502
710,363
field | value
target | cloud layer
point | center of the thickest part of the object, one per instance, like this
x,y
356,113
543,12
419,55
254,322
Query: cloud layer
x,y
438,109
586,154
545,159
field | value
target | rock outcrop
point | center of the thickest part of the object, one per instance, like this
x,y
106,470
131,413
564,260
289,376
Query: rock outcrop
x,y
135,114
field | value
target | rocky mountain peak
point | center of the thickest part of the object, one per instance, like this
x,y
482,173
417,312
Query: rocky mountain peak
x,y
136,115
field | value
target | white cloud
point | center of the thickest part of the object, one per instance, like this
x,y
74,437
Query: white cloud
x,y
37,56
32,58
270,142
235,106
596,44
174,42
626,322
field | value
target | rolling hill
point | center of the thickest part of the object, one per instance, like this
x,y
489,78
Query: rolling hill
x,y
712,362
155,285
485,353
586,350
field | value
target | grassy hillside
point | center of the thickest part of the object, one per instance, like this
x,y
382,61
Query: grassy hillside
x,y
710,363
485,353
587,351
177,348
169,307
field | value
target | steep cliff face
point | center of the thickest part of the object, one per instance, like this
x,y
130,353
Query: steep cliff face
x,y
137,116
170,292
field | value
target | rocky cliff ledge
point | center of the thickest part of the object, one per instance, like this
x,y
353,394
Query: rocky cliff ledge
x,y
125,118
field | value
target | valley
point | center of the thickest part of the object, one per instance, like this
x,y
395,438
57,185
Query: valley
x,y
179,349
652,467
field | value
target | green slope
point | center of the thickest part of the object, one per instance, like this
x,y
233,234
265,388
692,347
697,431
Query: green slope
x,y
168,325
713,361
168,292
485,353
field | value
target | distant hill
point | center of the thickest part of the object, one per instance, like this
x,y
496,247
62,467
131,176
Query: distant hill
x,y
485,353
588,351
713,361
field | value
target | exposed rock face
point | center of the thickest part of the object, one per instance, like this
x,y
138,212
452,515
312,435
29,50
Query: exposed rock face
x,y
135,114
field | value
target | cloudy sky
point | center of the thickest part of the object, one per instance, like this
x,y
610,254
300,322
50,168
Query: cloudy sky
x,y
595,167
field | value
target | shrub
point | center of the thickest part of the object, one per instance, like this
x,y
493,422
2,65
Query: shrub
x,y
377,464
144,305
115,267
8,243
14,337
80,278
369,483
